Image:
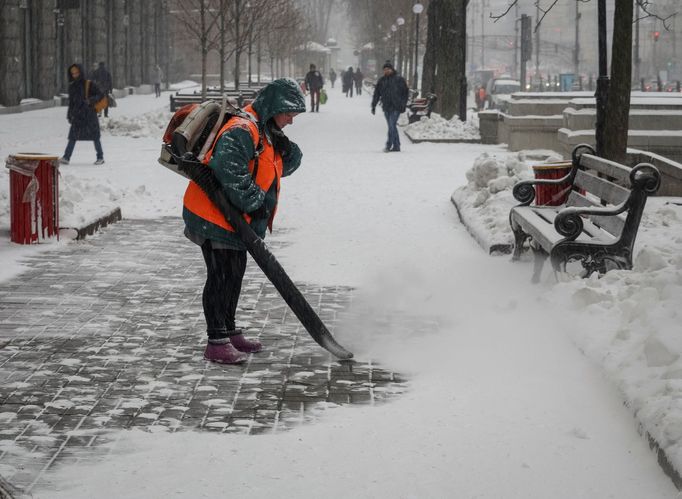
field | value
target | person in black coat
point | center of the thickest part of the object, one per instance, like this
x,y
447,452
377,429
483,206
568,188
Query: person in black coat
x,y
102,78
332,76
81,114
358,77
314,83
348,82
393,92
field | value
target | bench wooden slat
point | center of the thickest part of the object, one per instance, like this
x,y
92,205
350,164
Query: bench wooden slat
x,y
612,224
602,188
608,168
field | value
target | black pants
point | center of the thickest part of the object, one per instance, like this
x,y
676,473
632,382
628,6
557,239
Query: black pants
x,y
224,273
314,100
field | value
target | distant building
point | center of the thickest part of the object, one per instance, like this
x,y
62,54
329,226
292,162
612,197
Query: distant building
x,y
40,38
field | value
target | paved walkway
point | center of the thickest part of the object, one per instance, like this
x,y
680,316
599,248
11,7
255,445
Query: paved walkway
x,y
108,334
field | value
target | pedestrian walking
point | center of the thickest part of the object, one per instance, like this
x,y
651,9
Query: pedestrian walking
x,y
314,83
332,76
358,77
83,94
393,92
482,97
252,184
158,78
102,78
348,82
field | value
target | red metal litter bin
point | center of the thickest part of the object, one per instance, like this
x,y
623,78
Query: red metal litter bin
x,y
34,197
552,195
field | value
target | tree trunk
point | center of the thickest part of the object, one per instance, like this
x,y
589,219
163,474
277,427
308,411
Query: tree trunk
x,y
432,35
618,103
451,62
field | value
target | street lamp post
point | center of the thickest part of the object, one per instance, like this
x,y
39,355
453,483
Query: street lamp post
x,y
400,21
394,28
417,8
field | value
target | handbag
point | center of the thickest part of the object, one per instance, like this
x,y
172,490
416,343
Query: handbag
x,y
323,96
101,104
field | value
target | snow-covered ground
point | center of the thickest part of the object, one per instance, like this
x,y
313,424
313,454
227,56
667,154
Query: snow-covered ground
x,y
501,400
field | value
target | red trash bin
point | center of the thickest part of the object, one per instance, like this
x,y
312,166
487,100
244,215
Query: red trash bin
x,y
552,195
34,197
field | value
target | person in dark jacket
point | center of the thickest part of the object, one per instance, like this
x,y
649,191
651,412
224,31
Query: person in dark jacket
x,y
348,82
102,78
393,92
358,77
314,83
332,76
81,114
255,193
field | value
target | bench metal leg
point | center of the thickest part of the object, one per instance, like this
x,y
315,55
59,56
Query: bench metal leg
x,y
519,239
538,263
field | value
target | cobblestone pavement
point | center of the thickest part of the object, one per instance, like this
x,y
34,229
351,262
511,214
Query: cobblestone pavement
x,y
107,334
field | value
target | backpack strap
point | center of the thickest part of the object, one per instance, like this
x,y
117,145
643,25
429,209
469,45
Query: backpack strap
x,y
259,145
87,89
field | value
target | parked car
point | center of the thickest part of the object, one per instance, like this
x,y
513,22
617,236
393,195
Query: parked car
x,y
498,87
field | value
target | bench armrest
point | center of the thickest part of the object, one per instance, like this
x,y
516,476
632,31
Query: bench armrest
x,y
524,192
644,179
569,221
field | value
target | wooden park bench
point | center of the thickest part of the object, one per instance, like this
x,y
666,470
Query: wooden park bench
x,y
598,222
420,107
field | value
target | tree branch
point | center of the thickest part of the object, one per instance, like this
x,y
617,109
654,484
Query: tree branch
x,y
646,5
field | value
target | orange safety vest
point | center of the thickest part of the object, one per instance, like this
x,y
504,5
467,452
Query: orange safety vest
x,y
270,170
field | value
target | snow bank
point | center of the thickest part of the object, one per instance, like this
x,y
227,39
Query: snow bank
x,y
487,198
151,124
439,128
629,323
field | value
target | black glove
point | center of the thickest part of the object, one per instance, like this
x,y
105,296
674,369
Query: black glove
x,y
260,213
374,110
280,142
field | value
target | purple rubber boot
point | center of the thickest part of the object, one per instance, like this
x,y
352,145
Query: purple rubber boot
x,y
240,342
222,352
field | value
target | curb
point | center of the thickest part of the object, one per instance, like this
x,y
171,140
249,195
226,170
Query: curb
x,y
491,247
441,141
81,232
661,456
7,491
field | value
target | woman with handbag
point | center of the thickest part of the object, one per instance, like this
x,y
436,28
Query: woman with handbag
x,y
84,95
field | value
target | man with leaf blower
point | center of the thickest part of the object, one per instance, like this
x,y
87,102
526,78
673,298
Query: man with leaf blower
x,y
249,157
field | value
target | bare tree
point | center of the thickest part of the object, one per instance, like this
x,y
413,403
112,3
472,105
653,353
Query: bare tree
x,y
199,18
432,44
451,59
618,102
319,13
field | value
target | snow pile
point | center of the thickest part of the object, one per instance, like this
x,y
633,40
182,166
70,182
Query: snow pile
x,y
629,323
151,124
487,198
438,128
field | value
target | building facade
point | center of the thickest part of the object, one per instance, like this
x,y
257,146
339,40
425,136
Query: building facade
x,y
39,39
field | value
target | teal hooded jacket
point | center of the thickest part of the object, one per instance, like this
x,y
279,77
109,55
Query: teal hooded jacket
x,y
232,153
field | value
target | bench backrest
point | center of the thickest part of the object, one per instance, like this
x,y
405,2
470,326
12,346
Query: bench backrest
x,y
601,183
